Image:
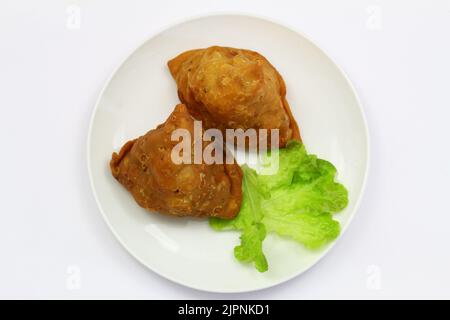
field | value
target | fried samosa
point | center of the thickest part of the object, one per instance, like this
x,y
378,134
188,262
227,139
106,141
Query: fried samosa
x,y
145,167
234,88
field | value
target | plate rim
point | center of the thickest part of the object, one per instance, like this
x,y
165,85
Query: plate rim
x,y
241,14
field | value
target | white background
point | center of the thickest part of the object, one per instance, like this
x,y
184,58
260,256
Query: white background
x,y
53,241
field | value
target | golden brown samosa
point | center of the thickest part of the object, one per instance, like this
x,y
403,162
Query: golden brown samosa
x,y
234,88
145,167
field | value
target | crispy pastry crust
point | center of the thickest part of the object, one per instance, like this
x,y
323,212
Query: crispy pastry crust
x,y
144,166
234,88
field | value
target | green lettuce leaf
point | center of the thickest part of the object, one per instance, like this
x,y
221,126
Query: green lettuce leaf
x,y
309,229
248,221
250,250
298,202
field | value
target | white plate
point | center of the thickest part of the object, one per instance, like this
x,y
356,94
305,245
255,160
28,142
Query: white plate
x,y
141,94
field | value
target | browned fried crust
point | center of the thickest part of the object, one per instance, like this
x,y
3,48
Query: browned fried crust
x,y
233,88
144,166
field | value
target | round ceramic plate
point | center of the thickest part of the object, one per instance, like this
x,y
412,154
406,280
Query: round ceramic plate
x,y
141,94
